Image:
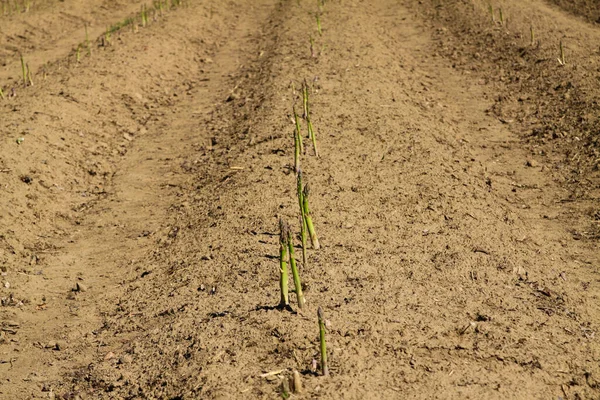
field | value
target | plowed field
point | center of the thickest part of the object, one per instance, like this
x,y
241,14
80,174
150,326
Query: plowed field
x,y
147,155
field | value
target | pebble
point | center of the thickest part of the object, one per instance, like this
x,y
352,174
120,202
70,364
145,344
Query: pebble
x,y
80,287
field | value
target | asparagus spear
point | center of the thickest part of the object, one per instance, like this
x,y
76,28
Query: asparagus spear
x,y
309,223
295,274
283,270
324,367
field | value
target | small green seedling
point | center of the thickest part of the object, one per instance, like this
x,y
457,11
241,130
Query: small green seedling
x,y
295,273
491,8
309,223
304,99
532,35
29,75
323,344
501,16
296,151
107,36
87,41
562,60
298,131
144,16
303,227
311,131
319,25
283,270
23,70
313,137
2,94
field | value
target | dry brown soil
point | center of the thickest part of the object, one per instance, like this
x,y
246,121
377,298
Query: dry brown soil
x,y
456,198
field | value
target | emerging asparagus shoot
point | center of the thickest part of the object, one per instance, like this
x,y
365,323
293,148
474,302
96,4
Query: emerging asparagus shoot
x,y
532,35
309,223
324,367
295,273
319,25
23,70
303,227
297,140
311,134
283,256
297,121
311,131
305,99
562,60
29,75
87,41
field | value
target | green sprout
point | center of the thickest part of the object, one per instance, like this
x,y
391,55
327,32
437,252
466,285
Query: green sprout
x,y
491,8
2,94
311,134
319,24
501,16
305,99
23,70
283,271
295,273
311,131
29,75
309,223
144,16
87,41
107,36
562,60
323,347
298,146
303,227
532,35
298,132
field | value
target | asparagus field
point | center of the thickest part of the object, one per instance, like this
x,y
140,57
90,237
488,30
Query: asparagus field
x,y
337,199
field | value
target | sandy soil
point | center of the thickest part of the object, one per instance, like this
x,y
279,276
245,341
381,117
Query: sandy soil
x,y
456,199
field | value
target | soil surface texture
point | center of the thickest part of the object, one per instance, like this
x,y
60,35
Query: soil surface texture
x,y
148,154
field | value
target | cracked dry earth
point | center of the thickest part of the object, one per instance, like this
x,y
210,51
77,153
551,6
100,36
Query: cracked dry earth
x,y
142,186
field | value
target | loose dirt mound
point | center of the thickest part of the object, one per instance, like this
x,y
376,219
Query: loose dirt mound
x,y
586,8
458,250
